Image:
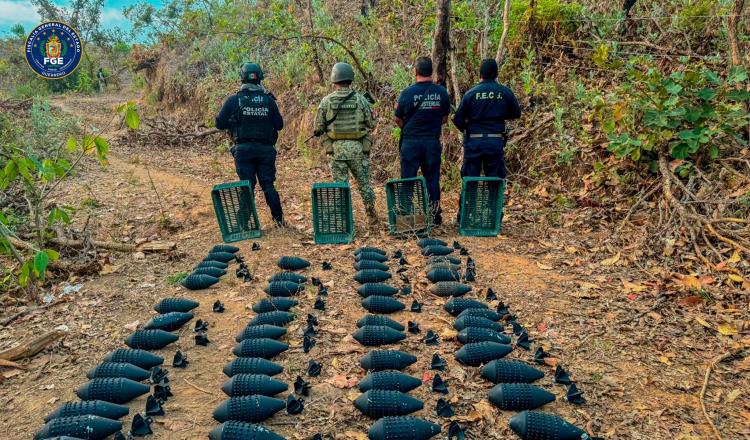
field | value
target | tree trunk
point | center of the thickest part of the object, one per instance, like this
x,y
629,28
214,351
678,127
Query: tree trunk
x,y
366,6
441,42
500,55
533,36
485,45
316,54
454,75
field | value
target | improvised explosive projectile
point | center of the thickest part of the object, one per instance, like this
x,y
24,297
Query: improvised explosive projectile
x,y
99,408
88,427
224,257
210,271
168,321
369,249
424,242
381,360
233,430
403,428
446,265
283,288
248,384
481,334
139,358
519,396
118,369
274,303
374,256
444,259
483,312
255,408
168,305
261,331
476,321
508,371
292,263
150,339
380,289
532,425
371,276
288,276
380,320
457,305
374,335
277,317
450,288
252,365
479,353
212,263
382,304
198,282
440,274
263,347
436,250
371,264
112,389
389,380
383,403
225,248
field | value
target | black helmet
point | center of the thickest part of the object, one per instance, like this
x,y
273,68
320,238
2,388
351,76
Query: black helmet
x,y
251,72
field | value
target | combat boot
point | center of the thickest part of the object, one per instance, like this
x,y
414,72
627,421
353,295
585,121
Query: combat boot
x,y
372,215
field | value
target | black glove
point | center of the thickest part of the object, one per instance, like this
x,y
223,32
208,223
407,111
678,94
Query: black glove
x,y
318,133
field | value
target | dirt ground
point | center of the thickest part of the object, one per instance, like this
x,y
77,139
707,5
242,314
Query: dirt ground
x,y
640,361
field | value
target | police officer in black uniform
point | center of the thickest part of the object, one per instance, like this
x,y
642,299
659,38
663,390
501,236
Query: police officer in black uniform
x,y
421,111
253,119
481,117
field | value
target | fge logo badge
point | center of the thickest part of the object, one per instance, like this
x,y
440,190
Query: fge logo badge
x,y
53,50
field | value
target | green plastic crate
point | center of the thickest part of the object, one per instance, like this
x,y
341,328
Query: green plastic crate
x,y
408,208
333,220
234,206
481,206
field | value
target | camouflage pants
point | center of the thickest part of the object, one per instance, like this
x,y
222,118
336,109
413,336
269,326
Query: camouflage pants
x,y
360,169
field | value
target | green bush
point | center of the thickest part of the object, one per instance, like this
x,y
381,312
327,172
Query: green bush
x,y
688,114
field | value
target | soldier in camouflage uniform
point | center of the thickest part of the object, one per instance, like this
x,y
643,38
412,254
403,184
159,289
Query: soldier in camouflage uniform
x,y
345,120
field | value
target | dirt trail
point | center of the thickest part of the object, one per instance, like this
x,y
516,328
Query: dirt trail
x,y
629,394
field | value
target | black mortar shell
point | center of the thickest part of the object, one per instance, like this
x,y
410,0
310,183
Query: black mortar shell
x,y
374,335
440,274
288,276
210,271
233,430
382,304
533,425
112,389
403,428
371,264
371,276
292,263
150,339
519,396
450,288
481,334
252,365
225,248
224,257
479,353
168,321
483,312
99,408
374,256
457,305
274,303
88,427
263,347
139,358
424,242
248,384
389,380
118,369
476,321
212,263
383,403
380,320
380,360
436,250
277,317
254,408
199,282
369,249
261,331
168,305
283,288
509,371
380,289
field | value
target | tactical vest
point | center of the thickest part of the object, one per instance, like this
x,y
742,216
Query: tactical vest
x,y
254,119
350,120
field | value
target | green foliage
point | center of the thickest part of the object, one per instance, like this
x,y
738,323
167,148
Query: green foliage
x,y
689,114
129,113
34,160
551,17
176,279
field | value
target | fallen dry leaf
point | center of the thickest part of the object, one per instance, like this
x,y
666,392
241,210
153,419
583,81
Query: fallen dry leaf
x,y
610,261
692,300
356,435
727,329
543,266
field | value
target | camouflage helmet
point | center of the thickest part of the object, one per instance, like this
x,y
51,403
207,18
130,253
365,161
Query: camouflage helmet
x,y
342,72
251,72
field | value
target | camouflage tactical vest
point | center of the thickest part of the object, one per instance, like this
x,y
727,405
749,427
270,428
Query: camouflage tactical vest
x,y
350,120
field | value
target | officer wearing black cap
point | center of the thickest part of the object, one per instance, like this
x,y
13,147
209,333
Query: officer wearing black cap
x,y
252,117
481,117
